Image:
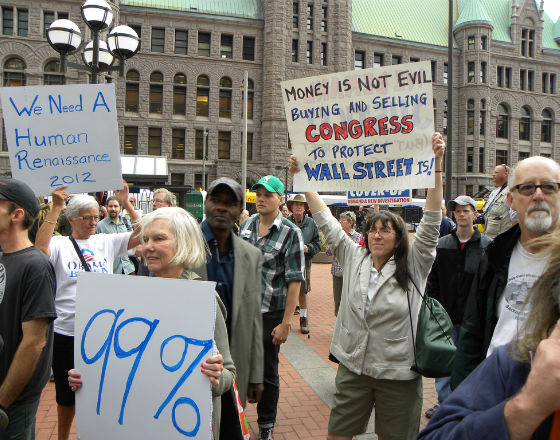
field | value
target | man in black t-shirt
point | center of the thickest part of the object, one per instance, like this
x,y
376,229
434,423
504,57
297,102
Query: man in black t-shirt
x,y
27,289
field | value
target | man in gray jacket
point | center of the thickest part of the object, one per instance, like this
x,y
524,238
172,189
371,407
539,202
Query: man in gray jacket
x,y
496,211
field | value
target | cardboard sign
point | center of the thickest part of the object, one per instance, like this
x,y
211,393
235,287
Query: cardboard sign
x,y
63,135
388,197
138,346
362,129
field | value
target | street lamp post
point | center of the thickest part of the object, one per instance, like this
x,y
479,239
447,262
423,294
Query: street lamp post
x,y
98,56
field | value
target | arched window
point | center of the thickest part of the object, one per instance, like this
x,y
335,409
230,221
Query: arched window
x,y
482,117
202,96
546,126
525,124
470,116
132,91
156,93
225,97
14,74
52,74
180,94
502,124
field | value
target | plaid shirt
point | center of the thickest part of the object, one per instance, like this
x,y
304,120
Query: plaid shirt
x,y
336,268
283,258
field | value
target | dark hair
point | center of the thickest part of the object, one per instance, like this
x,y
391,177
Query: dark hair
x,y
401,252
28,219
112,198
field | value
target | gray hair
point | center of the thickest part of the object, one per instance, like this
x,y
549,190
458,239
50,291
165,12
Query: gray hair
x,y
551,162
169,196
78,203
190,245
350,216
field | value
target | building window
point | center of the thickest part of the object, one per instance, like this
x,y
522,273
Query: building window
x,y
225,97
309,52
181,42
502,124
226,46
132,97
295,50
199,144
249,146
434,70
138,29
470,72
249,48
414,59
531,80
180,94
396,59
523,155
224,145
156,93
481,166
553,83
546,126
359,59
523,79
544,82
377,60
48,18
483,42
178,143
4,139
470,117
501,157
7,20
250,98
471,42
154,141
130,140
470,159
202,96
525,124
309,23
503,77
469,190
323,54
444,123
177,179
204,44
14,72
527,42
482,117
52,74
324,19
158,40
295,15
445,72
198,181
483,72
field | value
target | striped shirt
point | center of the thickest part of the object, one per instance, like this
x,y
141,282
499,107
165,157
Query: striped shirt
x,y
336,268
283,258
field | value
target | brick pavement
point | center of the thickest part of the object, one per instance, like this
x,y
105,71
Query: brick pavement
x,y
301,413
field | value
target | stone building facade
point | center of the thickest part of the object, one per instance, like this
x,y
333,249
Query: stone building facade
x,y
187,78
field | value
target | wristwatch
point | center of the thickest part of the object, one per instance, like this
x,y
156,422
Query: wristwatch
x,y
4,419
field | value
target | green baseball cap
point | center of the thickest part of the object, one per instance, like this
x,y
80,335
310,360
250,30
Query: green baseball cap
x,y
271,183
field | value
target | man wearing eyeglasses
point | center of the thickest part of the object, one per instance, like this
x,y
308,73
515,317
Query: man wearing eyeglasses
x,y
496,210
495,314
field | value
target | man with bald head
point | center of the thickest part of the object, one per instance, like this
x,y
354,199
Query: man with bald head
x,y
495,313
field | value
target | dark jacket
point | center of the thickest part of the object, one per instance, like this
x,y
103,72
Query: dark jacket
x,y
480,317
454,274
476,409
310,233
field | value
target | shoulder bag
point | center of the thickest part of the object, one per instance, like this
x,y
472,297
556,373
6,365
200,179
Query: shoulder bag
x,y
80,256
434,349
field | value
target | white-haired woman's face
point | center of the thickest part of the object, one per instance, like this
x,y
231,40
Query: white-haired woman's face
x,y
159,247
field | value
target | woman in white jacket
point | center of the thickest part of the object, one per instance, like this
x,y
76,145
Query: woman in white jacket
x,y
372,337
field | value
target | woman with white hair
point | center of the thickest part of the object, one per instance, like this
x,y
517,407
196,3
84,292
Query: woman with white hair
x,y
173,245
82,250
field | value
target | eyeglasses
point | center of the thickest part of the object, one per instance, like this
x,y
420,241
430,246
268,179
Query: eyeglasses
x,y
384,231
528,189
89,218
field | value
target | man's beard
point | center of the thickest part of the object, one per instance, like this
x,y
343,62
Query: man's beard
x,y
539,221
113,215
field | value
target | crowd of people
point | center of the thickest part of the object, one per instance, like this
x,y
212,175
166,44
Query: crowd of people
x,y
499,287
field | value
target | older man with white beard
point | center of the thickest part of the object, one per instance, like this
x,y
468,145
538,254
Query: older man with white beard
x,y
495,313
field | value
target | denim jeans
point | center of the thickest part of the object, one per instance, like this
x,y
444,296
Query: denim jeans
x,y
22,421
267,406
442,383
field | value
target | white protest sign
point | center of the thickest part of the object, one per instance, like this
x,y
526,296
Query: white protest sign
x,y
362,129
139,343
63,135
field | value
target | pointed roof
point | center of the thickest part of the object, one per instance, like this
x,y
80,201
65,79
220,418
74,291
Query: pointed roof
x,y
556,31
472,13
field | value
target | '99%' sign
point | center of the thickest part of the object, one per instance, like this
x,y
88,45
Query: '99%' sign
x,y
139,343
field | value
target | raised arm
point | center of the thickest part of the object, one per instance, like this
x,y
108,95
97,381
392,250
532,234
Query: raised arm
x,y
435,195
45,232
315,202
122,196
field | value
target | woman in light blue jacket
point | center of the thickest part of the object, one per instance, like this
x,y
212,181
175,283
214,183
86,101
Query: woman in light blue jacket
x,y
372,336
